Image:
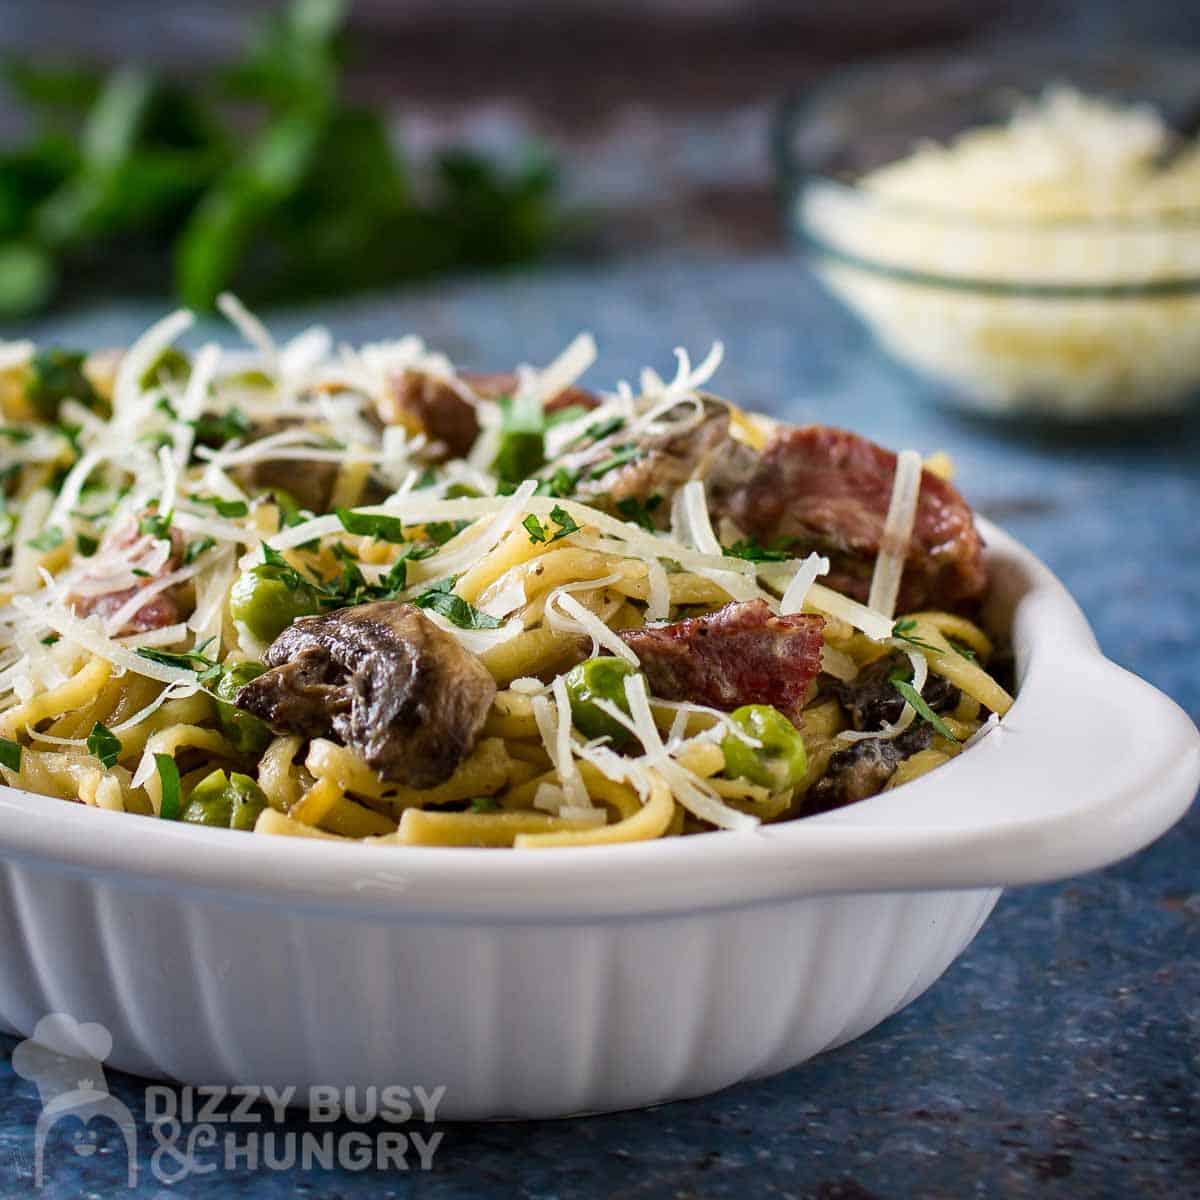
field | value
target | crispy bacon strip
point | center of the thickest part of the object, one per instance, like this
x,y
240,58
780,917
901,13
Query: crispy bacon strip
x,y
741,654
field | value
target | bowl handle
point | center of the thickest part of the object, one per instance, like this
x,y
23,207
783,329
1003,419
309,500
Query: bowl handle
x,y
1124,767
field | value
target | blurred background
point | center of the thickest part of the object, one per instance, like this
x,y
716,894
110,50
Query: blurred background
x,y
600,128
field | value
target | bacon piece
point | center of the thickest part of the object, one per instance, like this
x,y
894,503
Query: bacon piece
x,y
741,654
160,610
829,490
431,406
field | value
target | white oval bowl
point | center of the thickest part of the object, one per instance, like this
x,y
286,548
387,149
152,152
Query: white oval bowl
x,y
543,984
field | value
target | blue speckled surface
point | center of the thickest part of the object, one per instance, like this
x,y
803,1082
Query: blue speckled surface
x,y
1060,1056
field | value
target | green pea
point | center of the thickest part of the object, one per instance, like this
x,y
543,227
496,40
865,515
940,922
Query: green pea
x,y
246,733
226,802
599,679
780,762
267,603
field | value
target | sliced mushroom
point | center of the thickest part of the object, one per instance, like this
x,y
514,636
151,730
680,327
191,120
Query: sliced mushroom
x,y
864,768
871,699
385,680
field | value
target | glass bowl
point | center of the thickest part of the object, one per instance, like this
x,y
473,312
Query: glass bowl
x,y
1068,318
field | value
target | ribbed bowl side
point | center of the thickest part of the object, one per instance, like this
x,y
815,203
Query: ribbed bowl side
x,y
514,1019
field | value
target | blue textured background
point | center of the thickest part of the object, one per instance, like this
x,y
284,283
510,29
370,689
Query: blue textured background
x,y
1060,1056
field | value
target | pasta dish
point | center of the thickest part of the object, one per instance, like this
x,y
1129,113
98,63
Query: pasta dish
x,y
357,593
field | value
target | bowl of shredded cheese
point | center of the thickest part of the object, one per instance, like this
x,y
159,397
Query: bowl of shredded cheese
x,y
1024,229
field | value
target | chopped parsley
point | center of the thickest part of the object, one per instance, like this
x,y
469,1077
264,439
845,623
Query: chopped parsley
x,y
224,508
48,539
215,429
484,804
752,550
910,693
104,744
561,484
902,631
10,754
168,774
195,548
440,532
640,512
598,430
620,457
186,660
384,529
86,545
14,434
539,533
156,526
454,608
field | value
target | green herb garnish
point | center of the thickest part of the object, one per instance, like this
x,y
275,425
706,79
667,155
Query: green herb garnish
x,y
620,457
48,539
902,631
216,429
539,533
914,698
156,526
168,774
484,804
751,549
104,744
440,532
224,508
384,529
640,512
454,608
561,484
10,754
185,660
195,548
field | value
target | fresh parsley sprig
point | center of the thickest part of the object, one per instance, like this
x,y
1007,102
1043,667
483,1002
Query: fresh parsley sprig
x,y
902,631
539,533
10,754
752,550
104,744
382,528
910,693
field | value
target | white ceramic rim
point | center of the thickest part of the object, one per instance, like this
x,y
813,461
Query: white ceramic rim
x,y
1090,765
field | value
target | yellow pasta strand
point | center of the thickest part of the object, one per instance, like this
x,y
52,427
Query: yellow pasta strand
x,y
419,827
77,692
276,774
650,821
484,773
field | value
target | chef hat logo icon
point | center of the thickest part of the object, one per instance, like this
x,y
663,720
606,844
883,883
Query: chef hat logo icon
x,y
64,1059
